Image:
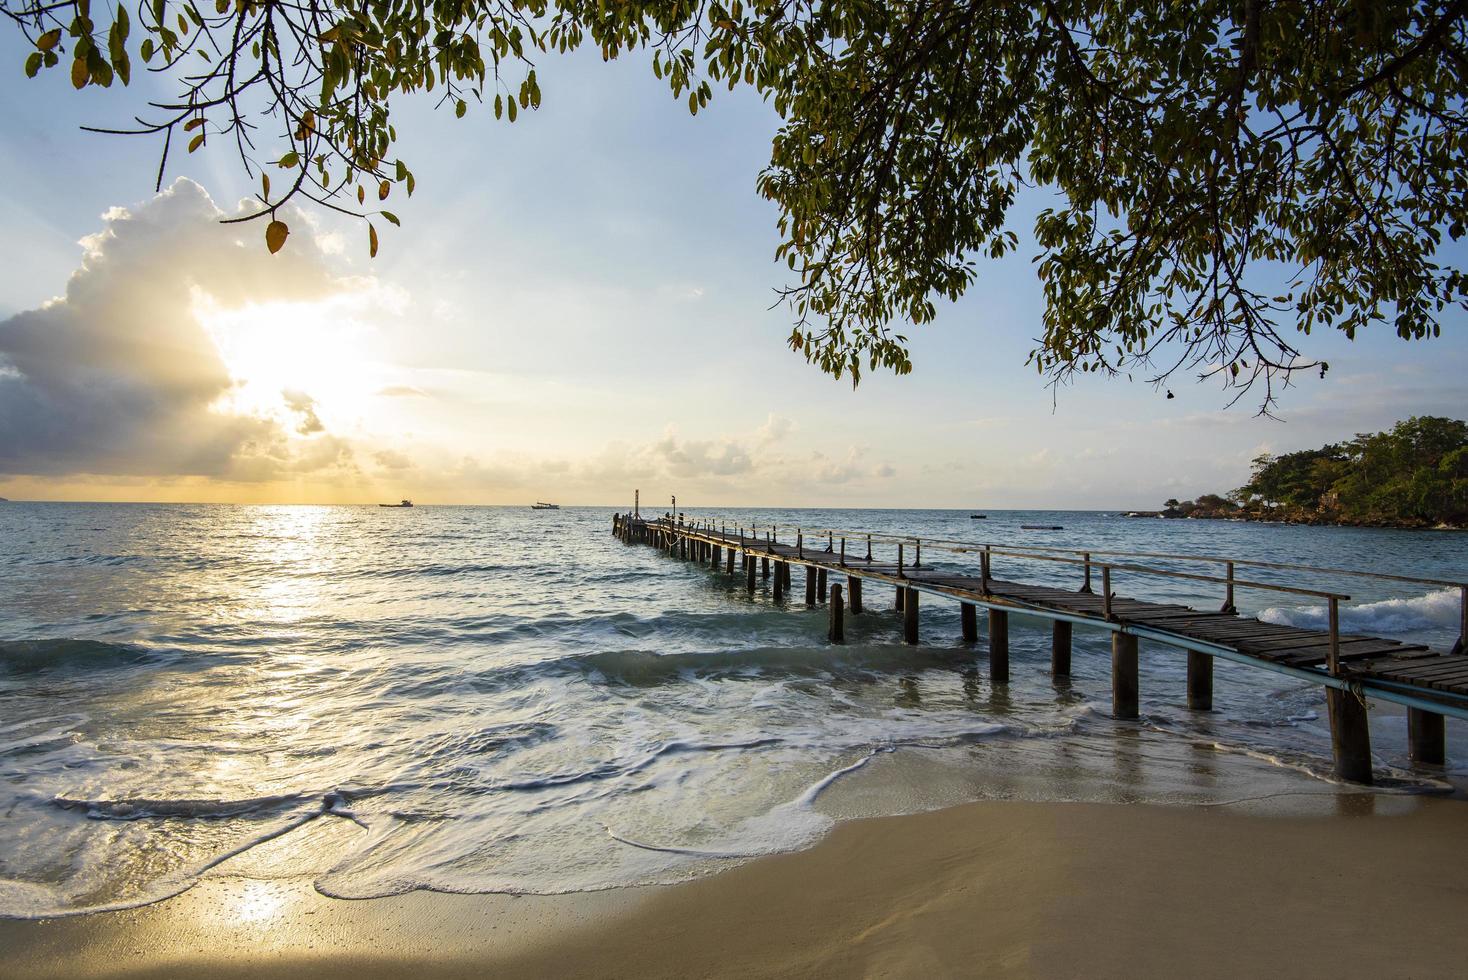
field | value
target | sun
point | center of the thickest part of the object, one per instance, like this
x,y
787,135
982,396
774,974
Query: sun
x,y
277,352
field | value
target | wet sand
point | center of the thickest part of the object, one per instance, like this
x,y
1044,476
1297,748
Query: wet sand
x,y
1378,888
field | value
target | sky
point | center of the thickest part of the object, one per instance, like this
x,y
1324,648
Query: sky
x,y
575,306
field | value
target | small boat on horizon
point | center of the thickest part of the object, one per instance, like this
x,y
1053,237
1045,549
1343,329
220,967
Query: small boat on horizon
x,y
978,517
405,502
1041,527
542,505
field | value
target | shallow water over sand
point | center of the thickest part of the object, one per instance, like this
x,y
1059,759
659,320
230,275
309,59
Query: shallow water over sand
x,y
495,699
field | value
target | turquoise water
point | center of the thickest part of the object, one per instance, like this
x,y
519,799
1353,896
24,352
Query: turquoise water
x,y
496,699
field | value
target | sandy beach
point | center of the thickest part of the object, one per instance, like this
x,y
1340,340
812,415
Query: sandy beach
x,y
1379,887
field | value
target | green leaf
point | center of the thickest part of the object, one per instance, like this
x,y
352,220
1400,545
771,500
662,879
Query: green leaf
x,y
33,64
49,40
291,159
196,142
391,217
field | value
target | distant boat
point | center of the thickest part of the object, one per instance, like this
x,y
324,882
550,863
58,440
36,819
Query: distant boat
x,y
405,502
1041,527
978,517
542,505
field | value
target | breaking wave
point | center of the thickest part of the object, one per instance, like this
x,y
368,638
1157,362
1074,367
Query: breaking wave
x,y
1435,610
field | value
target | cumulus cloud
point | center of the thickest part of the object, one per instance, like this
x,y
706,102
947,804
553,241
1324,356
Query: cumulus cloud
x,y
391,459
118,376
775,428
304,406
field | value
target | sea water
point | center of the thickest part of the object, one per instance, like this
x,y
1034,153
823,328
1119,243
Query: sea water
x,y
479,699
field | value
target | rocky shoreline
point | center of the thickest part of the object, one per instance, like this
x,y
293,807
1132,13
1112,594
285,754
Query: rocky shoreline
x,y
1288,516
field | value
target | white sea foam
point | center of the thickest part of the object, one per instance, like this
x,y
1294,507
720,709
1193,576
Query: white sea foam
x,y
1435,610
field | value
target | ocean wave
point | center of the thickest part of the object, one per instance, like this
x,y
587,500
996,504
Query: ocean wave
x,y
137,808
34,654
1434,610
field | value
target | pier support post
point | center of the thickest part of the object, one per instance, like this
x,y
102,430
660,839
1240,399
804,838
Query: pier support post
x,y
1350,735
838,627
999,646
764,566
749,573
1123,675
785,571
1426,740
729,560
901,594
1060,634
1200,681
718,557
968,621
779,581
810,587
821,590
853,585
910,616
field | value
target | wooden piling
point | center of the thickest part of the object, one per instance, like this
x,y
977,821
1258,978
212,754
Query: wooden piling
x,y
821,590
1350,735
1200,681
764,566
749,573
1426,739
718,554
901,594
1124,701
910,616
779,581
1060,636
853,585
999,646
810,587
837,632
729,560
968,621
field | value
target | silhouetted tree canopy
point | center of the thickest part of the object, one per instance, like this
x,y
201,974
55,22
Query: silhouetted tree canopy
x,y
1224,175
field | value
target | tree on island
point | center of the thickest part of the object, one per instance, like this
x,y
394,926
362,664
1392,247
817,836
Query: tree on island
x,y
1226,175
1415,474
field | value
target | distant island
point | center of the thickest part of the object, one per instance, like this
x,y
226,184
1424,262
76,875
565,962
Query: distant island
x,y
1415,475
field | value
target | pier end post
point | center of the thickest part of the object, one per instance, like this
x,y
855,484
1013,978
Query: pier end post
x,y
810,587
999,646
910,616
853,585
1060,637
1426,737
1200,681
1350,735
838,626
968,621
1124,700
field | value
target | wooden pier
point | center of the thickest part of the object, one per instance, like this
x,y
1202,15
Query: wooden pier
x,y
1432,685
